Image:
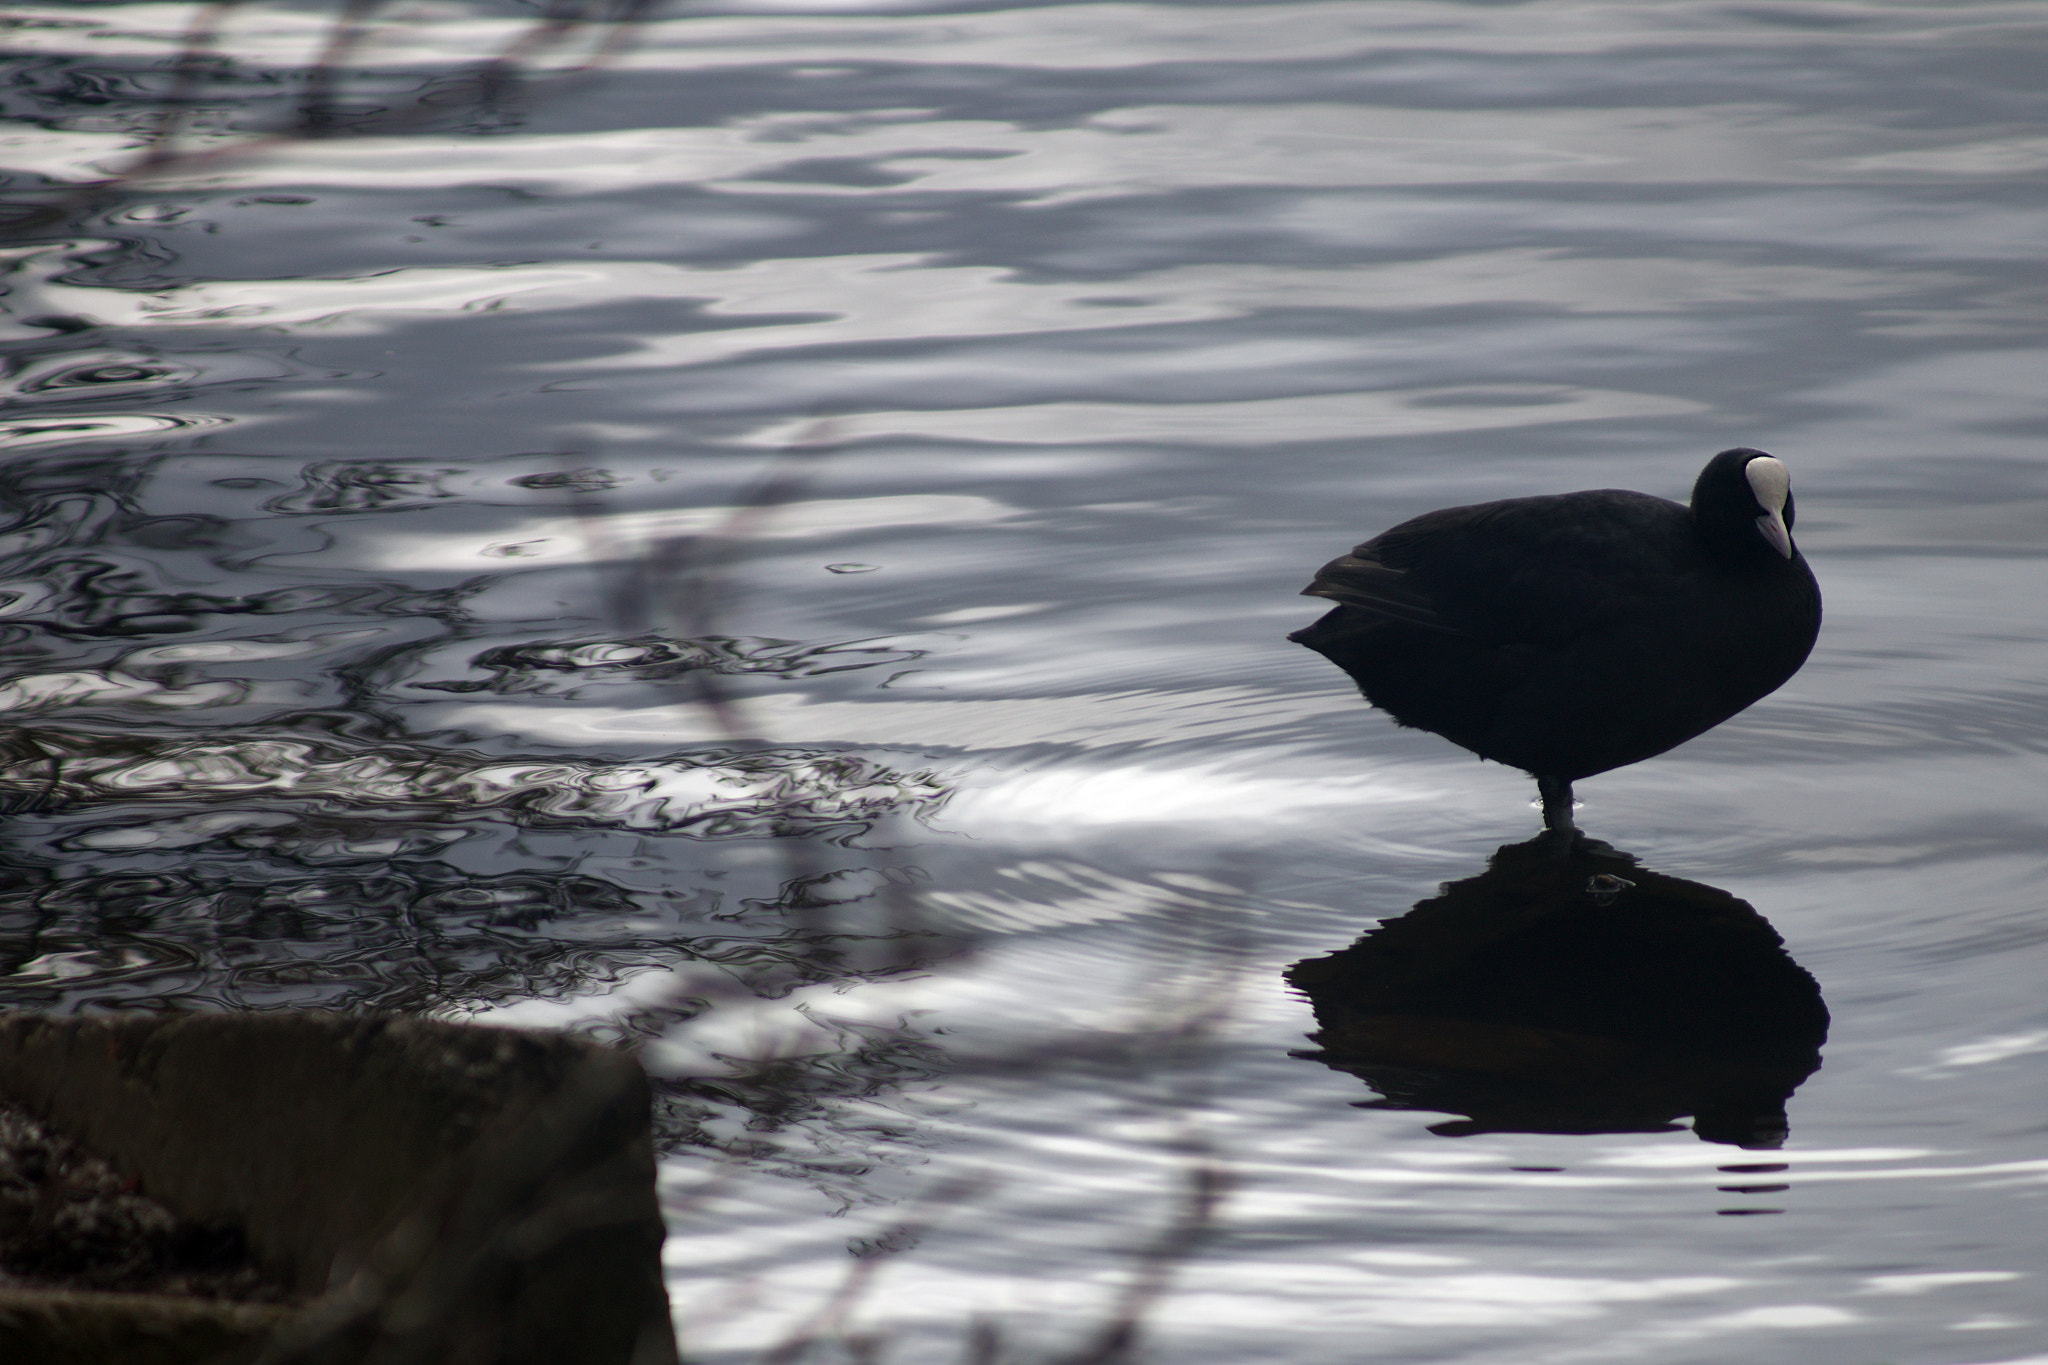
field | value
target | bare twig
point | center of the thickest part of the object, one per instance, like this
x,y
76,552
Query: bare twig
x,y
860,1275
984,1341
684,579
351,30
1208,1182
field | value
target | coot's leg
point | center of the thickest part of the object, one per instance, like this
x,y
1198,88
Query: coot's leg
x,y
1557,804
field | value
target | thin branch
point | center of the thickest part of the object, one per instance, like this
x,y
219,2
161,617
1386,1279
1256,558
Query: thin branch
x,y
1208,1183
349,31
860,1275
315,117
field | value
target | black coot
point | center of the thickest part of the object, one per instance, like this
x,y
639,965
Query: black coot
x,y
1570,634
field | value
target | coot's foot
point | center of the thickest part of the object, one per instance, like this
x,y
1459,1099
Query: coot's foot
x,y
1557,805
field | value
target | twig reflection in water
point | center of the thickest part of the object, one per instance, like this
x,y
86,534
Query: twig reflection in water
x,y
1582,994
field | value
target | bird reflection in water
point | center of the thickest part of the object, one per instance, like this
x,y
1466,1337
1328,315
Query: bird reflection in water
x,y
1573,994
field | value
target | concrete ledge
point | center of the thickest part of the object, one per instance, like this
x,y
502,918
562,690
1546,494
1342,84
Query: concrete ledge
x,y
439,1192
52,1327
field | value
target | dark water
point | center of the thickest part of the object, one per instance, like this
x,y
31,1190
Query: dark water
x,y
780,549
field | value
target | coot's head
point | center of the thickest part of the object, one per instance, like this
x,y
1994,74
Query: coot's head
x,y
1743,506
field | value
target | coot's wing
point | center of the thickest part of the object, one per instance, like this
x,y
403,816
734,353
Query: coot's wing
x,y
1361,580
1539,571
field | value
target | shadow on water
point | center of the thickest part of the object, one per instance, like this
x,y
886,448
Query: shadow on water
x,y
1576,994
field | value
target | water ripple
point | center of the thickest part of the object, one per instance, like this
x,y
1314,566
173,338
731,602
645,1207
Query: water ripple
x,y
711,795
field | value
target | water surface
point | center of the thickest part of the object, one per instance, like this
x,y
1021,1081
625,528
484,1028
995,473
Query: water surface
x,y
778,546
